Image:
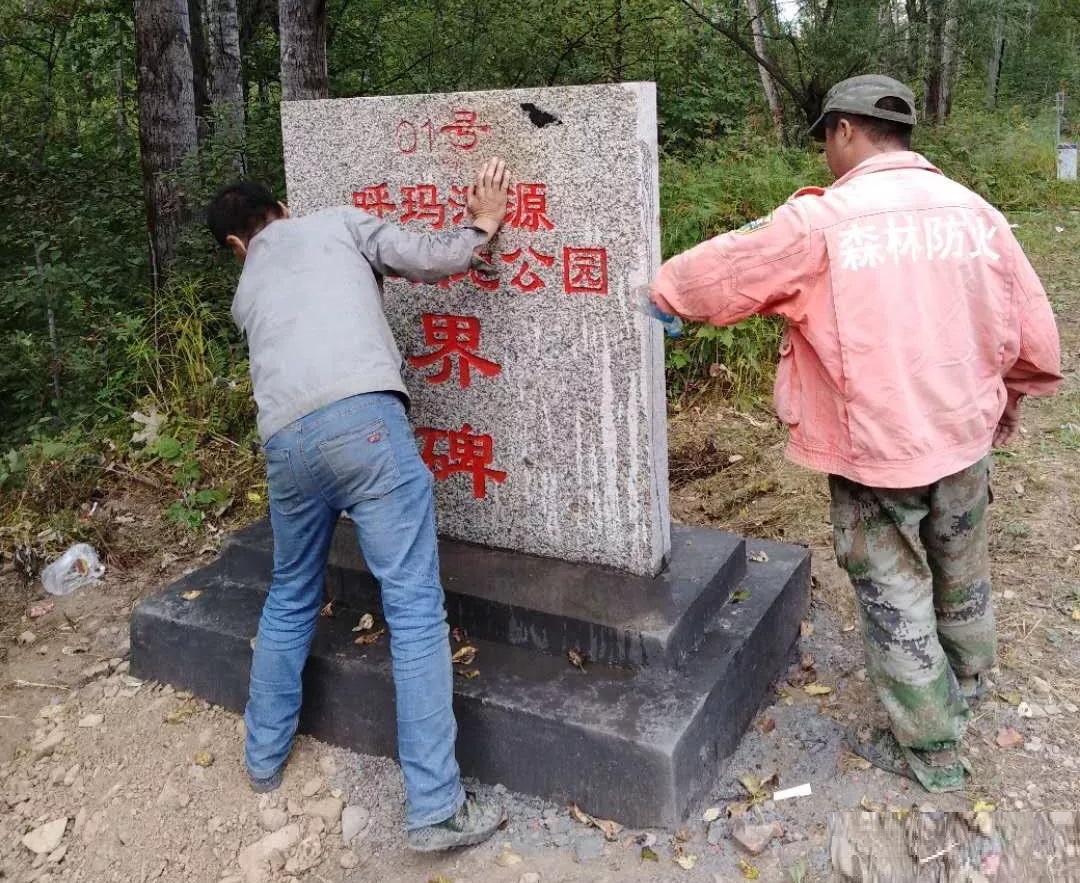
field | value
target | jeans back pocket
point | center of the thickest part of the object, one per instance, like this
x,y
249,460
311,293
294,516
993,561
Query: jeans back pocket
x,y
362,463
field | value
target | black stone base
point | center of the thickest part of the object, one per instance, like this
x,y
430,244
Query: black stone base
x,y
541,603
635,744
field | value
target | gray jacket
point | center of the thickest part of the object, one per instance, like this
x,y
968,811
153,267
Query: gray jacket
x,y
310,304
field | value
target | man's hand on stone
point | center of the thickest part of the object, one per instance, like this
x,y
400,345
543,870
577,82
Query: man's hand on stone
x,y
487,197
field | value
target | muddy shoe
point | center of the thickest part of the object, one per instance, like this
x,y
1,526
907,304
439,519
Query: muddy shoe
x,y
264,786
474,823
974,688
936,771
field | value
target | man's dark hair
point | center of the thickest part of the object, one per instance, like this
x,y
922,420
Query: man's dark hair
x,y
241,209
880,132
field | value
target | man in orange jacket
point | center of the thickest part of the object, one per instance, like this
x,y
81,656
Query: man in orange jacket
x,y
915,325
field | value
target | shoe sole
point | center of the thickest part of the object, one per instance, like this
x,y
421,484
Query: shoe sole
x,y
462,841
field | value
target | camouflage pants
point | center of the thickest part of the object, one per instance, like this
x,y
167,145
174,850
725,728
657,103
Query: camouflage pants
x,y
919,562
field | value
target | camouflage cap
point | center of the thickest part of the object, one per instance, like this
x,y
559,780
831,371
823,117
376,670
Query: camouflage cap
x,y
860,95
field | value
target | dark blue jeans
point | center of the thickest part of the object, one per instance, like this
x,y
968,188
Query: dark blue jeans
x,y
357,456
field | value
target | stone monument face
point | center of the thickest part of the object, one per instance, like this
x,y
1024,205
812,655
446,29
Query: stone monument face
x,y
537,385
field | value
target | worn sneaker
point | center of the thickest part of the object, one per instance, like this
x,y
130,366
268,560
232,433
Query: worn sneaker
x,y
263,786
474,823
936,771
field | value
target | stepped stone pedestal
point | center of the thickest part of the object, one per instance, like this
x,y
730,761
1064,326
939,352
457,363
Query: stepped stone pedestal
x,y
678,670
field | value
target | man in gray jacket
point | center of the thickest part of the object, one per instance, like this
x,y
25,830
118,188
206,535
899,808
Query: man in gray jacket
x,y
326,374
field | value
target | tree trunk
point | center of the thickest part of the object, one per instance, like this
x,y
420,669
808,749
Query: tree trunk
x,y
934,83
303,49
950,63
200,77
121,116
997,56
167,131
916,20
226,80
768,84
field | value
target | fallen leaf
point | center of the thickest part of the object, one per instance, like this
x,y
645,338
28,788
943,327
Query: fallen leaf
x,y
1009,737
464,655
459,634
647,838
983,806
577,658
366,623
439,879
850,762
849,627
735,458
204,759
467,673
748,870
609,829
1010,698
766,725
817,690
191,595
370,637
253,497
710,815
807,662
686,862
683,836
740,808
870,806
758,557
806,629
182,712
649,855
328,610
1076,614
42,608
741,595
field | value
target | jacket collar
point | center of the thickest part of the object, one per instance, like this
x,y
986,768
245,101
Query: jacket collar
x,y
886,162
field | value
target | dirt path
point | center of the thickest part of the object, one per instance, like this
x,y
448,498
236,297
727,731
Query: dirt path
x,y
151,786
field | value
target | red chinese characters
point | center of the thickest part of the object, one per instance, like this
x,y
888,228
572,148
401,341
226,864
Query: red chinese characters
x,y
420,202
462,132
375,200
449,452
527,280
455,339
585,270
528,208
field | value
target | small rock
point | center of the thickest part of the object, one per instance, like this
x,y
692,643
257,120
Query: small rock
x,y
277,861
47,746
57,855
508,858
529,877
717,832
348,860
27,638
328,809
305,857
96,671
255,859
123,668
45,839
72,774
312,787
327,765
273,819
294,806
354,819
755,838
80,822
51,712
173,798
589,846
91,720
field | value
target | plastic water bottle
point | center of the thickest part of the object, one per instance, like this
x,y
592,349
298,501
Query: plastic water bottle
x,y
79,566
673,325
